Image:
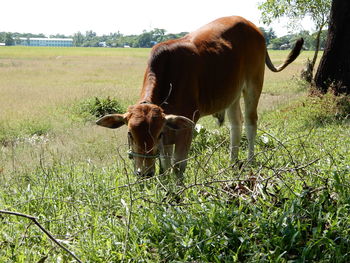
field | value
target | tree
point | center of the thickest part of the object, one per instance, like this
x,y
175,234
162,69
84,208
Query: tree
x,y
268,34
281,42
158,34
317,10
144,40
78,39
58,36
334,69
90,34
9,41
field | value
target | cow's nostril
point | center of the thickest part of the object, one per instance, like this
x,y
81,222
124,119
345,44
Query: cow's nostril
x,y
149,174
138,172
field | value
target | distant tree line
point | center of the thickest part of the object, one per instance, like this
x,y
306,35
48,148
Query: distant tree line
x,y
11,39
146,39
287,41
149,38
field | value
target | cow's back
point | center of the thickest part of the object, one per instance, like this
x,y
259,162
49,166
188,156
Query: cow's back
x,y
232,51
203,72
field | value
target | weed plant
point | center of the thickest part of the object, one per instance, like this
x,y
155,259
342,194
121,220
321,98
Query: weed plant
x,y
93,108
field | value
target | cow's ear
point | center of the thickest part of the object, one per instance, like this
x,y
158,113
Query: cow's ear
x,y
112,121
179,122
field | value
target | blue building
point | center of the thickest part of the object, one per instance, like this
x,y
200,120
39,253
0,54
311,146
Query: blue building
x,y
44,42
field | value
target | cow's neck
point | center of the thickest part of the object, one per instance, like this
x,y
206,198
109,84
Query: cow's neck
x,y
153,91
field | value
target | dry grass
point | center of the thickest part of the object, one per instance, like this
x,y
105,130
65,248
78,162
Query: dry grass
x,y
34,80
32,83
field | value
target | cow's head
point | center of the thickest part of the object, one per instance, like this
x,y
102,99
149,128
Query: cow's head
x,y
148,130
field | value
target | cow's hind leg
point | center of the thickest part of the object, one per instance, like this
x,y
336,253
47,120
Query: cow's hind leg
x,y
251,98
220,117
234,115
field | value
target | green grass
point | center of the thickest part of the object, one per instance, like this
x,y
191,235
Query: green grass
x,y
291,205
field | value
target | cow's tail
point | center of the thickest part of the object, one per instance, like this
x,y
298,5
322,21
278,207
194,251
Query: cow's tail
x,y
291,57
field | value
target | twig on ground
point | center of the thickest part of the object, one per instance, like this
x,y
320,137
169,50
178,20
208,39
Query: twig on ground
x,y
34,219
126,242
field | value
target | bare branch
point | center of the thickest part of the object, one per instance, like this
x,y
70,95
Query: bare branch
x,y
129,211
34,219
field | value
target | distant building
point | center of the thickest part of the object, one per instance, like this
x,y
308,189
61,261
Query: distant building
x,y
284,46
44,42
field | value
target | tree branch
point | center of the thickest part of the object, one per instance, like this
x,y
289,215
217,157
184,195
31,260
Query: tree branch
x,y
34,219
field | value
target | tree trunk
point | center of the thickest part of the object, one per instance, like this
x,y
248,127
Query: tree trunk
x,y
317,46
308,72
334,68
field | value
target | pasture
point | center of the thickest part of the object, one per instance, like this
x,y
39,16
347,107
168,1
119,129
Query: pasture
x,y
292,205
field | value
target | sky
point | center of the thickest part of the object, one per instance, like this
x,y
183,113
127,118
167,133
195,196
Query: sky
x,y
67,17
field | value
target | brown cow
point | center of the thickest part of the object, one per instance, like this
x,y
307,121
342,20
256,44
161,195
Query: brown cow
x,y
203,73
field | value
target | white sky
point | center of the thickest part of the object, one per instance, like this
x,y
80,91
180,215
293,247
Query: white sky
x,y
128,16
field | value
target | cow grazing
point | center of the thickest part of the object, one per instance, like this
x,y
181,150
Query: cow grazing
x,y
203,73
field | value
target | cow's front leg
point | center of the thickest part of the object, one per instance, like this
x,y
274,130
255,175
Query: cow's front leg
x,y
182,148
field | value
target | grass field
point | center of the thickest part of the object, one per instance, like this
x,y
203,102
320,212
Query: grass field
x,y
40,86
292,205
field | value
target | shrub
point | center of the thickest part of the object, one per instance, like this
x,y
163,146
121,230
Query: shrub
x,y
342,107
329,108
98,107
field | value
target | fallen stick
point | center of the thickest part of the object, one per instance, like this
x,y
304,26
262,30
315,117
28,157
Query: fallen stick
x,y
42,229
